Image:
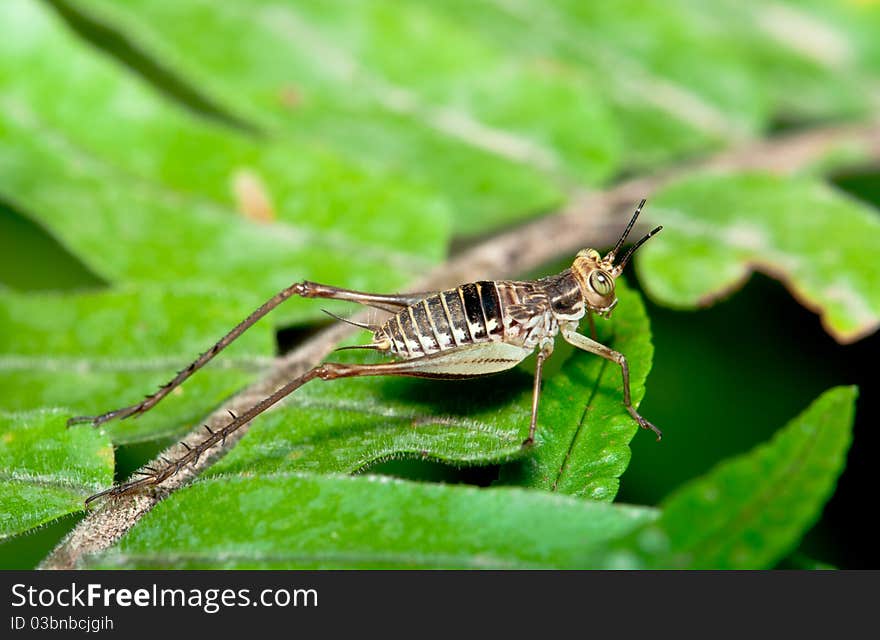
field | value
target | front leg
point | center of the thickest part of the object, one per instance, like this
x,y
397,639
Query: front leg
x,y
593,334
585,343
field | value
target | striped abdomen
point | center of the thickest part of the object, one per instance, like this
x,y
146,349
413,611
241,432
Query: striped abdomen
x,y
465,315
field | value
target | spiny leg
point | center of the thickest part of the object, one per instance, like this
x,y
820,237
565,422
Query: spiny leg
x,y
304,289
585,343
442,365
543,354
171,467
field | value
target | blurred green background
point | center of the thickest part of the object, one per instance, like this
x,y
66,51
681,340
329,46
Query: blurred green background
x,y
724,379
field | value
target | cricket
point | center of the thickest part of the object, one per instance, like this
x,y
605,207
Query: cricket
x,y
476,329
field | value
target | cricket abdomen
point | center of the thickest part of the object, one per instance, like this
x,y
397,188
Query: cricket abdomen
x,y
469,314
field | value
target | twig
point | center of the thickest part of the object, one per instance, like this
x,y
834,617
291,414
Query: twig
x,y
590,219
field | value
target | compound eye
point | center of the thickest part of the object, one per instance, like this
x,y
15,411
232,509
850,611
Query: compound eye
x,y
602,283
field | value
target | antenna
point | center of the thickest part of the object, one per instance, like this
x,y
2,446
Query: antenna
x,y
613,253
633,248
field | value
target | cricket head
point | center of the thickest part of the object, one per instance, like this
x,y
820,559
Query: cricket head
x,y
596,275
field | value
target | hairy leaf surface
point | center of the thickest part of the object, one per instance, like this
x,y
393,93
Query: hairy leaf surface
x,y
46,469
326,522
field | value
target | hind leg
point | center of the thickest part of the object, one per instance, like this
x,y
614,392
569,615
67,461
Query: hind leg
x,y
303,289
468,361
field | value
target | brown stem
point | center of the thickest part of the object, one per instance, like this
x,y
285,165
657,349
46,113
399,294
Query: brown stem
x,y
594,219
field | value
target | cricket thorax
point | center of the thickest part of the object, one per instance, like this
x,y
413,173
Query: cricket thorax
x,y
565,295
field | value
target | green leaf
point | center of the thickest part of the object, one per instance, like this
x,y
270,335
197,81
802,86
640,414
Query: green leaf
x,y
32,260
576,51
847,29
681,76
143,191
720,228
583,428
628,84
807,66
46,469
348,425
300,521
333,73
97,351
750,511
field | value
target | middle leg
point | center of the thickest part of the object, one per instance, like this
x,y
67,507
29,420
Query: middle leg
x,y
543,354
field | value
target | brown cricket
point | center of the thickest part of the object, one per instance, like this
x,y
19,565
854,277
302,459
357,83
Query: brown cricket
x,y
475,329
